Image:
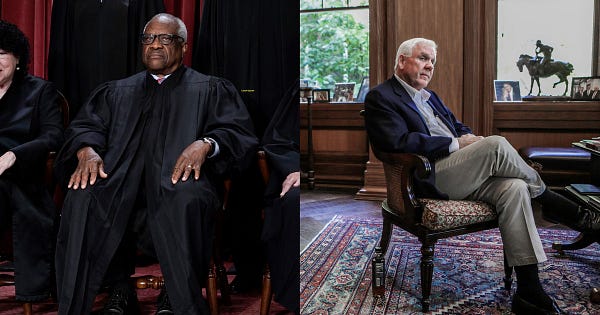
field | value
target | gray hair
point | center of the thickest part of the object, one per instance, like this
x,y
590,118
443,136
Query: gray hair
x,y
168,18
406,48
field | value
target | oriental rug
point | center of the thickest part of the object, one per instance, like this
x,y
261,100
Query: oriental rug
x,y
335,272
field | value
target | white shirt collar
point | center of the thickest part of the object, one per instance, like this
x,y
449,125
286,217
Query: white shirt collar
x,y
156,77
412,91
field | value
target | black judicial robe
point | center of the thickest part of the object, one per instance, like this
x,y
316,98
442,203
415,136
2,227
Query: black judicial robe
x,y
30,127
94,41
281,230
254,44
140,128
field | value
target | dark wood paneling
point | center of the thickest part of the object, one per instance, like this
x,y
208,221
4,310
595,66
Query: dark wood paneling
x,y
339,144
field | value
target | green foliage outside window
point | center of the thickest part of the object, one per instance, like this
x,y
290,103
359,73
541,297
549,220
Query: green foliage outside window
x,y
334,47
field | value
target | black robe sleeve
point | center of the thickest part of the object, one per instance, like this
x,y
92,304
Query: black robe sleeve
x,y
36,99
89,128
230,126
281,140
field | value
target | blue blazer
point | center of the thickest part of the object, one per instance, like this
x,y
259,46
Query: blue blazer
x,y
394,124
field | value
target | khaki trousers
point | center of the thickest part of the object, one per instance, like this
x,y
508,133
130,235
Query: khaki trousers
x,y
491,170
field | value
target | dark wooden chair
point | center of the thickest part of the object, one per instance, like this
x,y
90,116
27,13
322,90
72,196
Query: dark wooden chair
x,y
427,219
267,290
50,183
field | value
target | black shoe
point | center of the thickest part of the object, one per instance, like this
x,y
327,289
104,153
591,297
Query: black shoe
x,y
241,284
163,304
595,295
122,301
588,221
520,306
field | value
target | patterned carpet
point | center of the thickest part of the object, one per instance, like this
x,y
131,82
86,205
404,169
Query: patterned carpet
x,y
335,274
241,303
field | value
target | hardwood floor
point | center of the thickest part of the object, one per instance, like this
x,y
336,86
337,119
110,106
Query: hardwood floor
x,y
317,207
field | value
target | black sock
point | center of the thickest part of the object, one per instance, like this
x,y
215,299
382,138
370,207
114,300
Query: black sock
x,y
529,287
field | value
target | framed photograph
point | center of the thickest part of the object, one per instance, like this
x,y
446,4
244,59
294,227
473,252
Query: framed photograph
x,y
321,95
364,88
507,91
585,88
344,92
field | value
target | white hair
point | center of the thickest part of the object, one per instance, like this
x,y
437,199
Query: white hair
x,y
181,29
406,48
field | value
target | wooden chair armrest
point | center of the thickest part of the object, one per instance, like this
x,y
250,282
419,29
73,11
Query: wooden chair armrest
x,y
400,170
263,166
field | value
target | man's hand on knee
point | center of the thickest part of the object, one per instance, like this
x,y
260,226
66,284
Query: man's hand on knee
x,y
467,139
190,160
89,167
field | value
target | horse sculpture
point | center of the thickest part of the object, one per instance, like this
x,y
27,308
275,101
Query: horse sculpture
x,y
559,68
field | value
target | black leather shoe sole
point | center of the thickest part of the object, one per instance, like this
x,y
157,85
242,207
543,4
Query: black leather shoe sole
x,y
522,307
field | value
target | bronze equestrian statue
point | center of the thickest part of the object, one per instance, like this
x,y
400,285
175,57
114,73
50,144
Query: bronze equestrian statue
x,y
545,69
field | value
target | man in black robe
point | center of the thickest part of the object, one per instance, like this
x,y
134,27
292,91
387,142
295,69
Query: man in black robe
x,y
253,43
139,135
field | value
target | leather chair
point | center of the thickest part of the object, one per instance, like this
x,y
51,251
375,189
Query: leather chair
x,y
428,219
559,166
50,183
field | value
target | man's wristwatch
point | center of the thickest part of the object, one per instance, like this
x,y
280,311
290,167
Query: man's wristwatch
x,y
211,143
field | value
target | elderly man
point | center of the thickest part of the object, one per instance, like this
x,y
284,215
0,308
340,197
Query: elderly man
x,y
402,116
157,142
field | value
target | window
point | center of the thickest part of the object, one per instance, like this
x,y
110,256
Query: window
x,y
334,42
566,26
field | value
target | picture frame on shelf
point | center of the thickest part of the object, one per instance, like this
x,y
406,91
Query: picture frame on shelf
x,y
585,88
344,92
364,88
321,96
507,91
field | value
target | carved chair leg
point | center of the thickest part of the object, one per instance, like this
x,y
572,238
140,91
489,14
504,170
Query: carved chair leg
x,y
426,274
386,233
508,270
27,309
223,284
211,290
267,292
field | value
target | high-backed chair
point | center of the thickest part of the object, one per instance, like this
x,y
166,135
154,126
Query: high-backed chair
x,y
427,219
266,291
49,181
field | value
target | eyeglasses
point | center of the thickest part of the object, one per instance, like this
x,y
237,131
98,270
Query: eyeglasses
x,y
165,39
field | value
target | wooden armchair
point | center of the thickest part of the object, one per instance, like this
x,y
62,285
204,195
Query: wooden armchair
x,y
266,291
427,219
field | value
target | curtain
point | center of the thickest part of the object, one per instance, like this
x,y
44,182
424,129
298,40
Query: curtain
x,y
190,11
33,18
255,45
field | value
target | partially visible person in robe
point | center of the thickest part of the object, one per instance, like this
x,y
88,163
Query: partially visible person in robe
x,y
94,41
30,127
254,44
159,141
281,229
